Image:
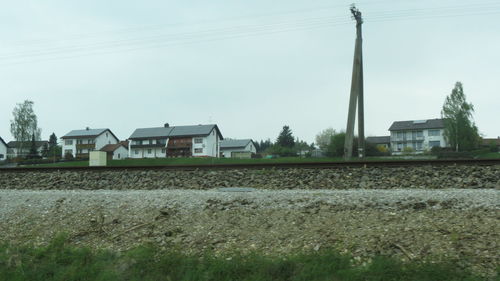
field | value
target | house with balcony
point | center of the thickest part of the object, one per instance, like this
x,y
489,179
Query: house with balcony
x,y
22,148
418,135
3,149
237,148
175,141
80,142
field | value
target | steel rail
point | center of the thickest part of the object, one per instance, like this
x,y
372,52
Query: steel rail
x,y
311,165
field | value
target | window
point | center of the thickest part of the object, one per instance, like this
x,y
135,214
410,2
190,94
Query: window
x,y
136,152
79,141
400,146
163,150
68,142
420,134
400,135
434,133
137,142
198,140
68,151
149,151
198,150
1,156
434,143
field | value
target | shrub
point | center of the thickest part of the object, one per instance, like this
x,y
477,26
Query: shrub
x,y
68,156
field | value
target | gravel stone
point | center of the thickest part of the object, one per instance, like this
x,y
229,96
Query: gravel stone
x,y
461,224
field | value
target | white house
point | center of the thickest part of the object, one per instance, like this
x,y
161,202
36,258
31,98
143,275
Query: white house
x,y
233,148
419,135
175,141
116,151
22,149
80,142
3,149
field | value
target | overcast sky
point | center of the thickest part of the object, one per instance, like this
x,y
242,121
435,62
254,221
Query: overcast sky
x,y
248,66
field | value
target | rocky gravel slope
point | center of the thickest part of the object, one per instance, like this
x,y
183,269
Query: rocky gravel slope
x,y
428,177
409,224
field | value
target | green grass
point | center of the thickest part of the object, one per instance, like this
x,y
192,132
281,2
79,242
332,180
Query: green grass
x,y
207,161
211,161
489,155
58,261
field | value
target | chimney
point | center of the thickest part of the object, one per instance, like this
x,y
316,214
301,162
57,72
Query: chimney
x,y
166,125
87,128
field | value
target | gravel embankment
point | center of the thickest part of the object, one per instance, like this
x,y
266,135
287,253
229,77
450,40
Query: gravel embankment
x,y
409,224
424,177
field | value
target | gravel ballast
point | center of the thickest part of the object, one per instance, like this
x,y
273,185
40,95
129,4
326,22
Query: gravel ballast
x,y
423,177
415,224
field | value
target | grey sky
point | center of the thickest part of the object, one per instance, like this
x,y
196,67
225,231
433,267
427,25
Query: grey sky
x,y
248,66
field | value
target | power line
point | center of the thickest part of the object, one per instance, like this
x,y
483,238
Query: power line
x,y
239,31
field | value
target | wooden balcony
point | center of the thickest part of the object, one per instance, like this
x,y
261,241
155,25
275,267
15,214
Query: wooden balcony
x,y
85,146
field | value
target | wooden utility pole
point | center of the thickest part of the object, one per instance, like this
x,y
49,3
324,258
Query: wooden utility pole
x,y
356,94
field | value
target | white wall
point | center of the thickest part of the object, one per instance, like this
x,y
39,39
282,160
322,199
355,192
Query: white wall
x,y
120,153
103,139
156,152
210,145
3,151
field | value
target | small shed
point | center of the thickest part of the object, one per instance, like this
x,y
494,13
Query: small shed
x,y
116,151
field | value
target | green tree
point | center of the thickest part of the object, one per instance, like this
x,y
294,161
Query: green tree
x,y
24,125
45,150
285,138
460,131
33,150
336,146
52,141
324,137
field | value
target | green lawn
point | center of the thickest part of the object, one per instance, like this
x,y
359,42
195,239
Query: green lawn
x,y
58,261
190,161
211,161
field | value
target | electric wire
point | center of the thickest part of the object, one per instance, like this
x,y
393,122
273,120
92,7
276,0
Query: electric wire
x,y
120,45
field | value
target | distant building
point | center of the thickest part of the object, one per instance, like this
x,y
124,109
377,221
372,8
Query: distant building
x,y
22,149
487,142
3,149
175,141
237,148
419,135
384,141
116,151
80,142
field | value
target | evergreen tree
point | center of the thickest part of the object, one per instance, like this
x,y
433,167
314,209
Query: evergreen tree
x,y
285,138
52,141
264,145
460,131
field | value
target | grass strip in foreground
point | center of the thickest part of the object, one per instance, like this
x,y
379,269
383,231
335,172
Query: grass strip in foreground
x,y
59,261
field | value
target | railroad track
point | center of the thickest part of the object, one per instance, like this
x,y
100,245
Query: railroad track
x,y
312,165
